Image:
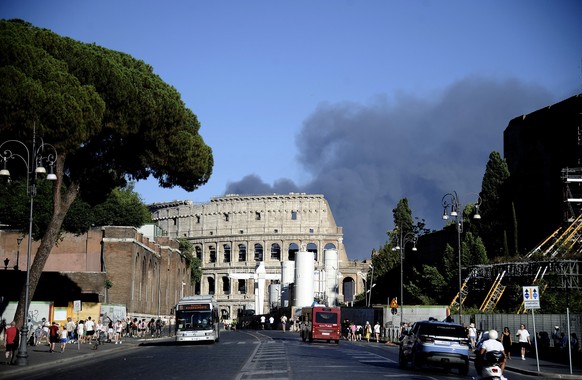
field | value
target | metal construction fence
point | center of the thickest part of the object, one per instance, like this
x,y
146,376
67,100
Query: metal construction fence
x,y
544,323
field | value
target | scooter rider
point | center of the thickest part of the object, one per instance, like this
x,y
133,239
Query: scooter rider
x,y
492,344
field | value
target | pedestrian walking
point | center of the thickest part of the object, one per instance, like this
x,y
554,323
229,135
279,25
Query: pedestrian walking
x,y
283,322
80,332
70,326
64,334
89,329
359,332
11,342
45,331
506,341
54,336
352,332
368,331
523,340
472,335
377,332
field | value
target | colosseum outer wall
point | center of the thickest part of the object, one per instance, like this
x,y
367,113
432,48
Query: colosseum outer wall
x,y
233,234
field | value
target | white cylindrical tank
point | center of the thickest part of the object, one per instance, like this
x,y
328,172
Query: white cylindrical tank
x,y
274,295
287,272
287,277
331,272
304,267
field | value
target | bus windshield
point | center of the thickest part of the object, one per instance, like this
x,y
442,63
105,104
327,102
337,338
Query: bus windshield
x,y
326,317
194,320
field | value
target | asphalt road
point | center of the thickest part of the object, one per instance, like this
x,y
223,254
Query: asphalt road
x,y
245,355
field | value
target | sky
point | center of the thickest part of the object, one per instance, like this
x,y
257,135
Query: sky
x,y
365,102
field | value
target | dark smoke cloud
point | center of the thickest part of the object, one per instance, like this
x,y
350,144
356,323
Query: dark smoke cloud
x,y
364,158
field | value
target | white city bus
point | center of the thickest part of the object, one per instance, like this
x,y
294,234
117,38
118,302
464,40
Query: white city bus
x,y
197,319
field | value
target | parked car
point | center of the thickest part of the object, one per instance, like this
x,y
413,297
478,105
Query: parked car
x,y
433,343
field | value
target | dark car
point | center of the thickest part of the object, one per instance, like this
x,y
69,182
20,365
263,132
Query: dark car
x,y
438,344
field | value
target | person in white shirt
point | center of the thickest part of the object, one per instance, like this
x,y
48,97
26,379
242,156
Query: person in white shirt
x,y
100,328
523,340
492,344
472,335
90,329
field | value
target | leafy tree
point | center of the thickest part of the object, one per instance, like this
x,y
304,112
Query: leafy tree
x,y
496,209
109,117
123,207
430,287
450,264
474,252
187,252
403,216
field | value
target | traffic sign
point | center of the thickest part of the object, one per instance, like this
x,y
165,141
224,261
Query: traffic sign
x,y
531,297
394,304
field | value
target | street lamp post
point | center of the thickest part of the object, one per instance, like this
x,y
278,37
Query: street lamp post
x,y
451,201
33,160
400,245
18,240
369,301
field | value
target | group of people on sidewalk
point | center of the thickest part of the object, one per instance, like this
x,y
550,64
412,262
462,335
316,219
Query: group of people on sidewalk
x,y
81,332
355,332
271,326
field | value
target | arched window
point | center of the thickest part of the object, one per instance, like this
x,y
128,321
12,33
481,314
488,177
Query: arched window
x,y
198,252
242,286
258,252
275,251
349,289
212,254
293,249
211,289
225,285
312,247
226,249
242,252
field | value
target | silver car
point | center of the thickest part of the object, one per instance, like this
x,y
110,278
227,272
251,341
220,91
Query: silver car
x,y
438,344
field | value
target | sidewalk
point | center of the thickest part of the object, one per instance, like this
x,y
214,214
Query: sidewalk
x,y
547,369
40,358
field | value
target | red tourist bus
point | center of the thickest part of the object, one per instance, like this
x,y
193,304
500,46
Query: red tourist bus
x,y
320,322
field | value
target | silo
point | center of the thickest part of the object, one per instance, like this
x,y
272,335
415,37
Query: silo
x,y
304,267
287,277
331,266
287,272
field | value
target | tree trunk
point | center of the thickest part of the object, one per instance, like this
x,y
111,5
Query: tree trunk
x,y
61,205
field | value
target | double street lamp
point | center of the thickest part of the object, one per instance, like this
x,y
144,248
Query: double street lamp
x,y
34,160
452,206
402,240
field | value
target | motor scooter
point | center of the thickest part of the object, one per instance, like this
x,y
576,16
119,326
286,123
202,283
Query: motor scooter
x,y
488,366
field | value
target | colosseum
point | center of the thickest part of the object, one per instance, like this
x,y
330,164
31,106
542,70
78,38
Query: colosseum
x,y
248,246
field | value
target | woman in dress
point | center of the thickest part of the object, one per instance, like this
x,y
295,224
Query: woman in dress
x,y
507,341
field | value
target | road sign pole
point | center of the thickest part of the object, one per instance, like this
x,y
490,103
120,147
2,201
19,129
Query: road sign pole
x,y
533,316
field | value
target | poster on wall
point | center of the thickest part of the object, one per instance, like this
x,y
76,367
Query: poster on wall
x,y
36,312
113,312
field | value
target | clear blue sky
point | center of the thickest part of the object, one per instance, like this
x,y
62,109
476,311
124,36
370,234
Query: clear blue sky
x,y
365,102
